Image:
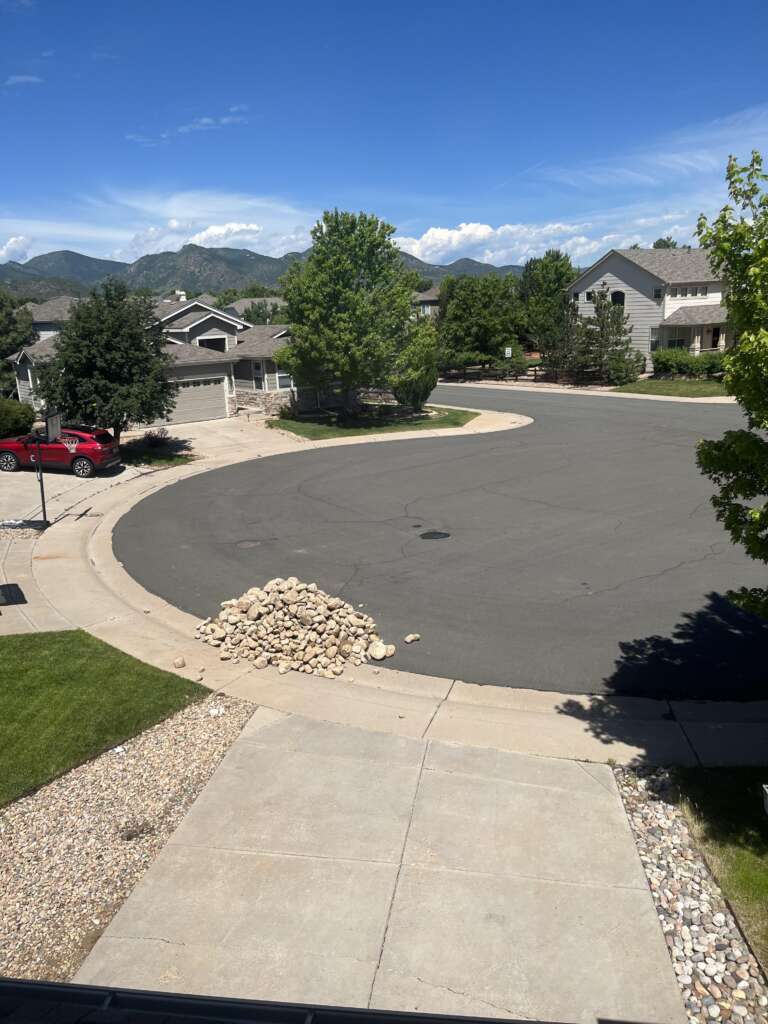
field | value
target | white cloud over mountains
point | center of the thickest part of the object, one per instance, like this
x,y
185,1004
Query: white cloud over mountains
x,y
16,248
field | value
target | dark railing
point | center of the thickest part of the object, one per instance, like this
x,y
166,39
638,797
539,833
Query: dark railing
x,y
33,1001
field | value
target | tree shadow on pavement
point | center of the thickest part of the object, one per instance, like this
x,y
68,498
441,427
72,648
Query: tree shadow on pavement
x,y
718,653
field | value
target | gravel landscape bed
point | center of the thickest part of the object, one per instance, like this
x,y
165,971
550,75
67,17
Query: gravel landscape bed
x,y
73,851
718,975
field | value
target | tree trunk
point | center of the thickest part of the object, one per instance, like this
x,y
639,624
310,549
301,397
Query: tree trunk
x,y
116,431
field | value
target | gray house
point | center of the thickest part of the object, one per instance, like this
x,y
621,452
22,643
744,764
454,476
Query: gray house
x,y
672,297
221,363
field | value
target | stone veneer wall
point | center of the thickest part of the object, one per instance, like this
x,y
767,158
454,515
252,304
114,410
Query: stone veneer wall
x,y
269,403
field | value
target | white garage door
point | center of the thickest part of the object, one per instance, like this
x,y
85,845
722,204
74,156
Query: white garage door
x,y
200,398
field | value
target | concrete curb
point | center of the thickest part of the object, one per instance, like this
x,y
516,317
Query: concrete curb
x,y
76,575
554,389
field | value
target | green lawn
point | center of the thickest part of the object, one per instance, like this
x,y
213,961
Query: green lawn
x,y
682,388
65,697
724,807
326,425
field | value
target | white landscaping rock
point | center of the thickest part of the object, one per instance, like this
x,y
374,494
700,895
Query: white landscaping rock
x,y
295,626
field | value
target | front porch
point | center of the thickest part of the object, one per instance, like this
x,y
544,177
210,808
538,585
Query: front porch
x,y
695,328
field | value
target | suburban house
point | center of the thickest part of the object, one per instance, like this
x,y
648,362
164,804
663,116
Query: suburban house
x,y
220,362
672,296
427,303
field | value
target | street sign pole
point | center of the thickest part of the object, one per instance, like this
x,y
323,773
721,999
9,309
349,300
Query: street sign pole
x,y
39,469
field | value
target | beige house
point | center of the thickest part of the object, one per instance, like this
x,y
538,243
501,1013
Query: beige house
x,y
672,296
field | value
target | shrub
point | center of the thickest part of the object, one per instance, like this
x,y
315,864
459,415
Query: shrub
x,y
415,372
156,438
624,367
15,417
679,362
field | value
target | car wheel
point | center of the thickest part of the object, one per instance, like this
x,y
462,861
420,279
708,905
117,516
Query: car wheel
x,y
8,462
83,467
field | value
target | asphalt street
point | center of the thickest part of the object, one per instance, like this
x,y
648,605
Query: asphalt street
x,y
579,554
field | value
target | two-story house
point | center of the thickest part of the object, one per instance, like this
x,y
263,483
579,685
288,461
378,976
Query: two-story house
x,y
219,361
672,297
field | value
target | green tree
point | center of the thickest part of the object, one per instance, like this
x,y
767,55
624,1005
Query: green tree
x,y
604,344
479,317
414,374
349,305
667,242
262,311
110,366
561,348
738,462
16,331
543,292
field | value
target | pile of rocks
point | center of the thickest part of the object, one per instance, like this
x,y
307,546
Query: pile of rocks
x,y
718,974
295,626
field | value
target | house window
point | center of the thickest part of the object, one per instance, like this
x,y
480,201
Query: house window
x,y
284,380
694,290
673,292
654,338
590,296
683,293
258,375
657,293
703,290
575,296
617,298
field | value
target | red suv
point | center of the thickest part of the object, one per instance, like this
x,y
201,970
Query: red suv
x,y
84,450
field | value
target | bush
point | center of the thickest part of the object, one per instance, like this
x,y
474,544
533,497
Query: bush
x,y
15,417
624,367
679,362
156,438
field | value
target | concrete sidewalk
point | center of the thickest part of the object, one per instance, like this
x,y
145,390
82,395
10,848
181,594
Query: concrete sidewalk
x,y
330,864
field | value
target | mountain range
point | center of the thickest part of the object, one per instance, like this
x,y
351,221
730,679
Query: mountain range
x,y
194,268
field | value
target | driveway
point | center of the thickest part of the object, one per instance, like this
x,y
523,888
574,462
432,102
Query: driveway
x,y
577,554
329,864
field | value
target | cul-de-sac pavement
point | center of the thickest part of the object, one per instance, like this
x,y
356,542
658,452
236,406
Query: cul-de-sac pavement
x,y
579,553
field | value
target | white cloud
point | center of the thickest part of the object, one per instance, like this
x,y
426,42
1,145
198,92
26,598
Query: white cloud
x,y
234,116
16,248
228,234
23,80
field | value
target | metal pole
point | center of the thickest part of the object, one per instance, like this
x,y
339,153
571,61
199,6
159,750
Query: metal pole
x,y
40,478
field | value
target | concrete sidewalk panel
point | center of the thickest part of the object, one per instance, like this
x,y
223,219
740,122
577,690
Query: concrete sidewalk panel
x,y
623,740
479,944
729,743
526,830
268,799
249,910
310,736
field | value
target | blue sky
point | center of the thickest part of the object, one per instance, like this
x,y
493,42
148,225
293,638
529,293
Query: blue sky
x,y
490,129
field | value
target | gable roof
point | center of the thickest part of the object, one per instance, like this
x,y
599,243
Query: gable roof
x,y
55,310
430,295
670,266
40,350
197,310
260,341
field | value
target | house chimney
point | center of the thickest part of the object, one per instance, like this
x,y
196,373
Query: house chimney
x,y
181,296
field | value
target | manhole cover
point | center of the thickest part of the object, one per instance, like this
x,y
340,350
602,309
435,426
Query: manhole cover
x,y
434,535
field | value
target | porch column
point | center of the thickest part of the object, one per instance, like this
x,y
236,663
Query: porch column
x,y
722,339
696,335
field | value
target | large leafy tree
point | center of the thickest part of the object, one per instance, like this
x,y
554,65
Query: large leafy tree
x,y
262,311
16,331
543,292
738,463
110,366
479,318
349,305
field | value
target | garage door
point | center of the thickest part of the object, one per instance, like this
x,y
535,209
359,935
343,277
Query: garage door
x,y
202,398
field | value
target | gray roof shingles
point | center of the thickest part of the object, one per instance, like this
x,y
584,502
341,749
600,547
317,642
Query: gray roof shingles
x,y
260,341
239,306
710,314
184,353
52,311
673,266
